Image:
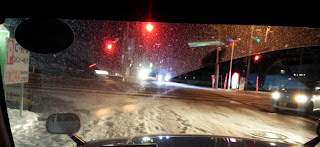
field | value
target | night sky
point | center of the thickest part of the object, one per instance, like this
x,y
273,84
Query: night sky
x,y
166,46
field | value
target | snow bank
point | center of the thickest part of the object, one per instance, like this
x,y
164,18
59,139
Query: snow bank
x,y
29,131
17,123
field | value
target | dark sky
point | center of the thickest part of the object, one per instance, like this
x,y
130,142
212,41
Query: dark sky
x,y
166,46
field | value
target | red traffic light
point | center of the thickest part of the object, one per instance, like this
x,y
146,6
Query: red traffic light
x,y
231,44
149,27
109,46
257,57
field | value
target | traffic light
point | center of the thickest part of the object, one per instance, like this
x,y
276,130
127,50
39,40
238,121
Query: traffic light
x,y
109,46
149,27
257,58
257,39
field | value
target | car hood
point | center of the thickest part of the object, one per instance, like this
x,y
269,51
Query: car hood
x,y
296,91
184,140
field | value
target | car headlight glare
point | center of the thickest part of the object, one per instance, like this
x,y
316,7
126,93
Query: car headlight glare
x,y
167,78
301,98
160,77
143,73
276,95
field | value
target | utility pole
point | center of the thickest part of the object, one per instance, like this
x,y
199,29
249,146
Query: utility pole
x,y
217,60
217,68
230,64
249,59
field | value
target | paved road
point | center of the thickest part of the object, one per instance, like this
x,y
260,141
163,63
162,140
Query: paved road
x,y
121,109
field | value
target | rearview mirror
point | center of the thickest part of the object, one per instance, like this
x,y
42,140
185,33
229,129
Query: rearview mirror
x,y
63,123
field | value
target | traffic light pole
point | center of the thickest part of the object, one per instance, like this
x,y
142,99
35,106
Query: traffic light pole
x,y
249,59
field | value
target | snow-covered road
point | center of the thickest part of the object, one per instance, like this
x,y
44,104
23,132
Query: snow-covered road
x,y
171,110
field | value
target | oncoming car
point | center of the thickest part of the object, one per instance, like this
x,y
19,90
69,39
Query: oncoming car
x,y
301,101
163,77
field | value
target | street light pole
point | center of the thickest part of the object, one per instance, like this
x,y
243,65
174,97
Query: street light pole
x,y
231,64
246,85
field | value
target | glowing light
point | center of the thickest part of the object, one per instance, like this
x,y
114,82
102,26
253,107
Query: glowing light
x,y
143,73
160,77
150,65
101,72
256,58
276,95
167,78
233,140
208,43
167,137
271,135
101,113
301,98
235,80
109,46
231,44
160,137
273,144
149,27
92,65
146,139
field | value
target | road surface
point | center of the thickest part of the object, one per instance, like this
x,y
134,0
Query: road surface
x,y
113,108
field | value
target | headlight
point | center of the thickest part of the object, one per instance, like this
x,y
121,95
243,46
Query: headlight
x,y
101,72
167,78
159,77
276,95
301,98
143,73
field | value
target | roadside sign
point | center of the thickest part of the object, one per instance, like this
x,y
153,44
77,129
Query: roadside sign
x,y
16,63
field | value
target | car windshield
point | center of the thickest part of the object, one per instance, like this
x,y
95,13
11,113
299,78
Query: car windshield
x,y
126,79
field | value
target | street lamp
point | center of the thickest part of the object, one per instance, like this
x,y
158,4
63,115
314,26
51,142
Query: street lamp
x,y
233,44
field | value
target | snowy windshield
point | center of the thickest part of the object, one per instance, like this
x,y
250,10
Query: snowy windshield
x,y
125,79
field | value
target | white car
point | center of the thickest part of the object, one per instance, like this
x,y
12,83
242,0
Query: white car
x,y
295,100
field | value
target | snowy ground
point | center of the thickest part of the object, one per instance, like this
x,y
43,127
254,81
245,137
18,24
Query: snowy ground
x,y
112,115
